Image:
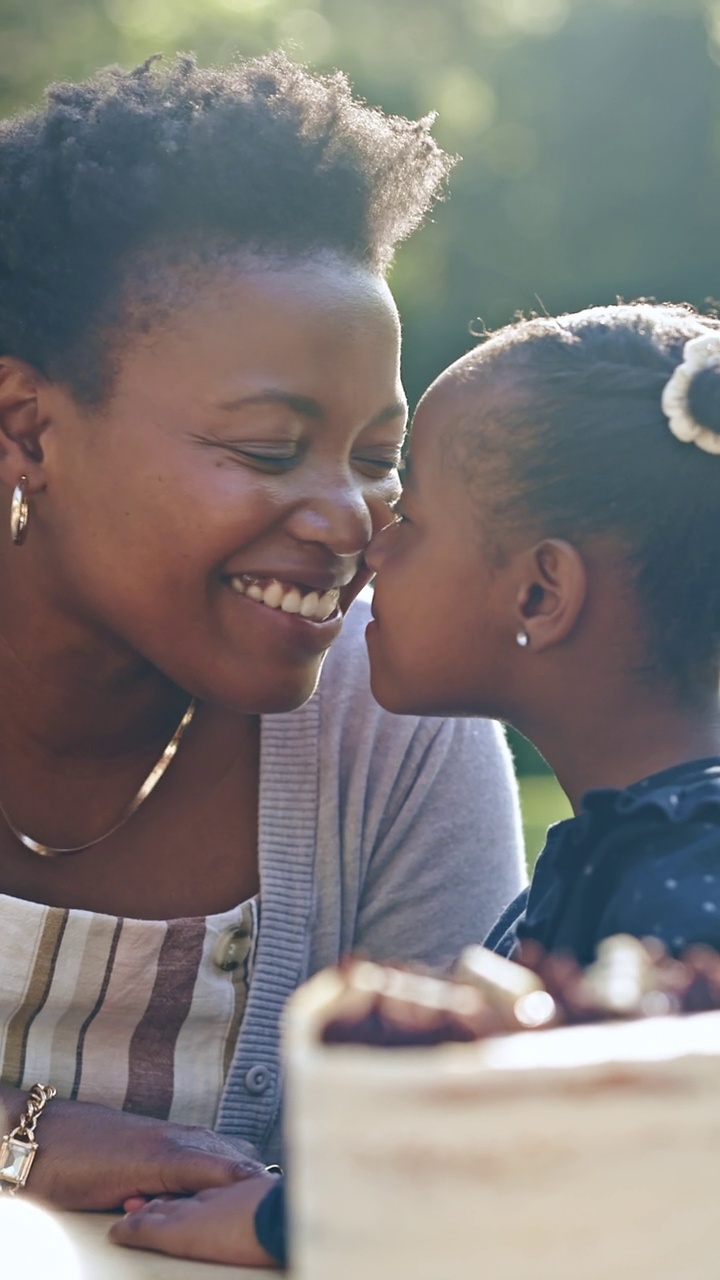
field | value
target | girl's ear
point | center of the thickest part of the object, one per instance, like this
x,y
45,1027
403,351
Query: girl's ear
x,y
552,593
21,424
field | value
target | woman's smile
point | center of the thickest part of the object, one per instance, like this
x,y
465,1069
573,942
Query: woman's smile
x,y
312,594
297,599
308,613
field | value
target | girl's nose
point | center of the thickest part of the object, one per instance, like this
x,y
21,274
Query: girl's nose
x,y
375,552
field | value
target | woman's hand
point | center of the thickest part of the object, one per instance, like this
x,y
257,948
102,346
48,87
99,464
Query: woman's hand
x,y
94,1158
214,1226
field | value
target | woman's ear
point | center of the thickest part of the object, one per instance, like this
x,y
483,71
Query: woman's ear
x,y
552,593
21,423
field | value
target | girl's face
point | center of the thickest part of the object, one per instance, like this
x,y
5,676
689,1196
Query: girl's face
x,y
212,518
442,635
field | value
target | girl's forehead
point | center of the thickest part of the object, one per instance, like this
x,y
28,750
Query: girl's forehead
x,y
448,401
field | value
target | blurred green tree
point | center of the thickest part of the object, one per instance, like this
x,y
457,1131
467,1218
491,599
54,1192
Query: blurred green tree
x,y
589,131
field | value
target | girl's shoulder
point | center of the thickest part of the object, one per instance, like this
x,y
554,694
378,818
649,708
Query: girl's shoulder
x,y
643,860
656,854
677,796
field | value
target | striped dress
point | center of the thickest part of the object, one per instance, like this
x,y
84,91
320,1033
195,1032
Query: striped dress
x,y
139,1015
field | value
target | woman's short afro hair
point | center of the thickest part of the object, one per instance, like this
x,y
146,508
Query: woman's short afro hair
x,y
171,158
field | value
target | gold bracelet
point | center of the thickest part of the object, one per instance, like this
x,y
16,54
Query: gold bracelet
x,y
19,1148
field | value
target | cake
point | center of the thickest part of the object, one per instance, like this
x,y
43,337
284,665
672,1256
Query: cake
x,y
576,1152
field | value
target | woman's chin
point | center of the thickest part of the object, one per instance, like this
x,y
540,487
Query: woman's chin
x,y
260,689
288,698
272,699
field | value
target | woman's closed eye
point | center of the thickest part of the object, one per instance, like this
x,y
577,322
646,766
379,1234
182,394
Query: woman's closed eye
x,y
264,455
378,462
268,459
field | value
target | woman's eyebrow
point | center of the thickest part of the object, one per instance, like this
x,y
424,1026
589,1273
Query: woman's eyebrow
x,y
397,410
305,406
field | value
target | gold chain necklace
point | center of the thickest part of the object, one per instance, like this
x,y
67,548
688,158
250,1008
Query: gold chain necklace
x,y
150,783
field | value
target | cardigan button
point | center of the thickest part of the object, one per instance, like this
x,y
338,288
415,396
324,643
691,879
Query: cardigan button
x,y
257,1079
230,949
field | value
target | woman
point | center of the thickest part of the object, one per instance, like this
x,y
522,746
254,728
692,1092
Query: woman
x,y
200,423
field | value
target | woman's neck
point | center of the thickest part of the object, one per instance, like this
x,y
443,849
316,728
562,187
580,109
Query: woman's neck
x,y
67,692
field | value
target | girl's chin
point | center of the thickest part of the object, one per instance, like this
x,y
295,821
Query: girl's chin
x,y
386,691
389,700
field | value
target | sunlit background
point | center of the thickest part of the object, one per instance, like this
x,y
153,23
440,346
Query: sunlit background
x,y
589,131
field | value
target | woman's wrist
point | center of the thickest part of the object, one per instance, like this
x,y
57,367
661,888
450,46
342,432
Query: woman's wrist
x,y
19,1146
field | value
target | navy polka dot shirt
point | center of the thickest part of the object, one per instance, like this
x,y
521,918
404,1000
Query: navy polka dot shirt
x,y
644,860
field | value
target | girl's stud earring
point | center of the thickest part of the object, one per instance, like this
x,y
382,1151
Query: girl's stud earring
x,y
522,639
19,512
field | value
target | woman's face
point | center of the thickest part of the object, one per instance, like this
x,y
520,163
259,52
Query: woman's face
x,y
441,636
212,517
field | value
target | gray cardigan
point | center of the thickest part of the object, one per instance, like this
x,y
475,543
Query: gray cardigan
x,y
396,836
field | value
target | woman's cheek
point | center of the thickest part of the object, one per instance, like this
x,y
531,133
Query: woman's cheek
x,y
382,503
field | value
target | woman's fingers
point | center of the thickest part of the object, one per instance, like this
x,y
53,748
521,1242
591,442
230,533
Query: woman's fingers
x,y
182,1170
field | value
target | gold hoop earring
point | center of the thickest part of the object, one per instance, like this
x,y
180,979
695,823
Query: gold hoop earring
x,y
19,512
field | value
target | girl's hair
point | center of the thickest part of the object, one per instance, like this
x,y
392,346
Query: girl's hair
x,y
585,450
170,163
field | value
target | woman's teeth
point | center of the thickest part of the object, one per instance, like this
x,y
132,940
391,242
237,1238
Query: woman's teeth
x,y
316,606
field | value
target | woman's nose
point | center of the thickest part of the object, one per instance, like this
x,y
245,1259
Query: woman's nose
x,y
341,519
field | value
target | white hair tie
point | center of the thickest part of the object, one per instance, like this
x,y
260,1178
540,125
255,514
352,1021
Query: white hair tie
x,y
700,353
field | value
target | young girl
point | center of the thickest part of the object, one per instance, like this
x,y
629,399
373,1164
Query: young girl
x,y
554,564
